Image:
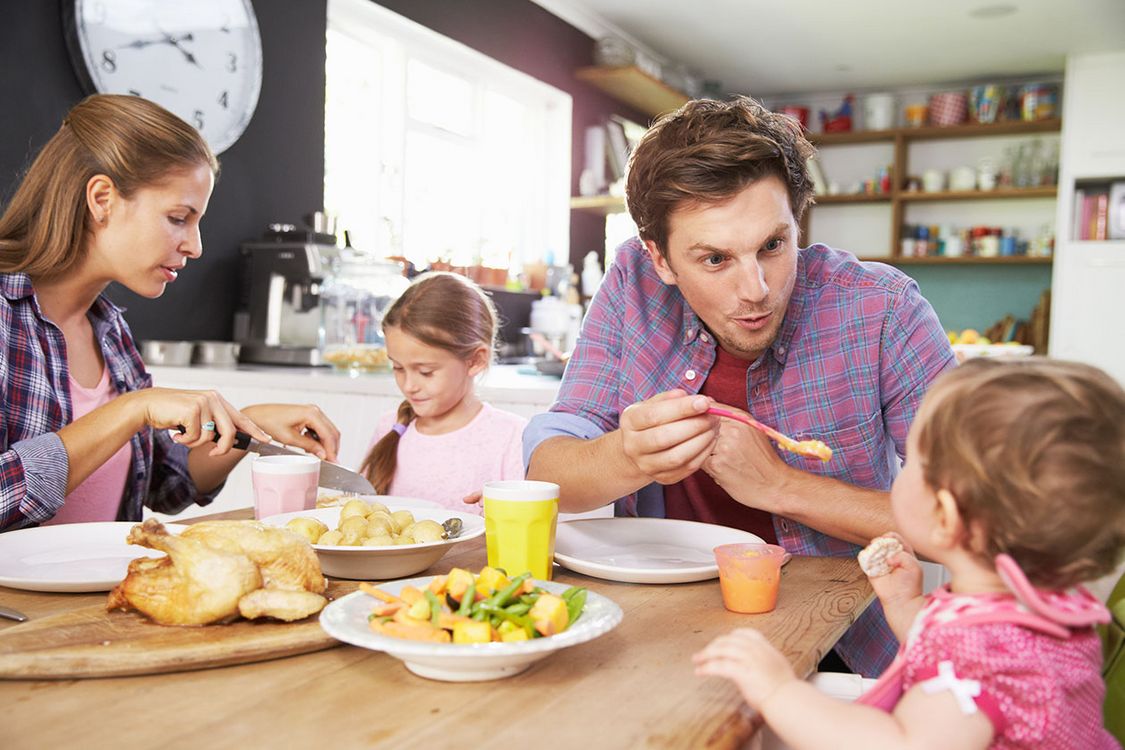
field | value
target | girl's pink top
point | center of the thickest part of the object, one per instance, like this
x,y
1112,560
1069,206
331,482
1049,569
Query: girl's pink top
x,y
1039,681
98,498
446,468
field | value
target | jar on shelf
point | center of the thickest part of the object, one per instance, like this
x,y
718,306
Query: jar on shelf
x,y
354,298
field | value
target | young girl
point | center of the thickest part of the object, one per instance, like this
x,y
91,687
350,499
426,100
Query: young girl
x,y
116,195
1015,482
444,443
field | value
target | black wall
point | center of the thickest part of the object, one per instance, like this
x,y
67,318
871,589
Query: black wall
x,y
275,172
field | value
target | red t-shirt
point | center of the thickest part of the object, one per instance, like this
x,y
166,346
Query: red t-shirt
x,y
698,498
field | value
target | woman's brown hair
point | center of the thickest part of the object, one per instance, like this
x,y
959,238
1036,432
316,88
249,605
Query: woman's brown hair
x,y
707,151
445,311
131,140
1034,454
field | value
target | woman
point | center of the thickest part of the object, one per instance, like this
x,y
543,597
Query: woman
x,y
116,195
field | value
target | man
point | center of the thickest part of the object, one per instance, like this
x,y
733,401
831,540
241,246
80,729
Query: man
x,y
715,302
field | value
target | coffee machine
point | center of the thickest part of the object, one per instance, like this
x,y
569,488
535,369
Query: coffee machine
x,y
278,317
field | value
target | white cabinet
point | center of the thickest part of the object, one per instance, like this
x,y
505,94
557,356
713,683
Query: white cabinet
x,y
1093,144
1088,278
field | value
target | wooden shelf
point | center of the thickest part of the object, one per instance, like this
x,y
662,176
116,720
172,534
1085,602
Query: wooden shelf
x,y
966,260
1048,191
827,200
634,87
937,132
598,204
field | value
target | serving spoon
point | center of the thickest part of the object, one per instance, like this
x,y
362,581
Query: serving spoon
x,y
811,448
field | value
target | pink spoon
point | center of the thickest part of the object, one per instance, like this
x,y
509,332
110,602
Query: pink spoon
x,y
812,448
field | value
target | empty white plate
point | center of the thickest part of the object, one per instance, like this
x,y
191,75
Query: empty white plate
x,y
644,550
72,557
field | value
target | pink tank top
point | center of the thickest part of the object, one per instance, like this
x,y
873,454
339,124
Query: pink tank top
x,y
98,498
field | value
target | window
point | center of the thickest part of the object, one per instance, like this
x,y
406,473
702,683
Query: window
x,y
436,152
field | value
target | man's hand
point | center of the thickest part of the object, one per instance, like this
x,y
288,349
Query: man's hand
x,y
669,436
745,463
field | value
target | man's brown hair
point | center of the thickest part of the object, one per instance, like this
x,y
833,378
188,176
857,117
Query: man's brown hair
x,y
708,151
1034,453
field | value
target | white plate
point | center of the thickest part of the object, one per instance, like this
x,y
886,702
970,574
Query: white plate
x,y
384,563
346,620
72,557
644,550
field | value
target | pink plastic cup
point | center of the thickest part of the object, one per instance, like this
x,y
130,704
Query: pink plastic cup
x,y
749,576
284,484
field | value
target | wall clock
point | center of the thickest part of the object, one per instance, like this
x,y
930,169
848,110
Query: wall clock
x,y
200,59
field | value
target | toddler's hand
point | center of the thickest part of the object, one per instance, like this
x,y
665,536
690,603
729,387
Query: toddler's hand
x,y
471,499
747,659
904,581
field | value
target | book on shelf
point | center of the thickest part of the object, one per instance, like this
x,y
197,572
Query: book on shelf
x,y
617,148
1091,213
816,172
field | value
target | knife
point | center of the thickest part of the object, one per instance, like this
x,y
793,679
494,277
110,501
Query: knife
x,y
332,476
13,614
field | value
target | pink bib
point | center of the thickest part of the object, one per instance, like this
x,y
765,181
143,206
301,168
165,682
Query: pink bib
x,y
98,498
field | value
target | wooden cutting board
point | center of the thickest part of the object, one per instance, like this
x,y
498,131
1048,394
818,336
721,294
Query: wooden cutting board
x,y
91,642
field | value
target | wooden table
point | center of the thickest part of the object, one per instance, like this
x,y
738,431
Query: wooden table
x,y
631,688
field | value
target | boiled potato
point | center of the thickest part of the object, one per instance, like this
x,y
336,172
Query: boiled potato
x,y
378,540
309,528
354,526
400,539
375,505
380,524
333,538
427,531
354,508
402,518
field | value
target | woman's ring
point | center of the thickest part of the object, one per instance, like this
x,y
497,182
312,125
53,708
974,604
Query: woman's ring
x,y
208,426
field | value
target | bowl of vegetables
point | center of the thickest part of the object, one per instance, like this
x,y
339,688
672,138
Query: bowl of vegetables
x,y
462,627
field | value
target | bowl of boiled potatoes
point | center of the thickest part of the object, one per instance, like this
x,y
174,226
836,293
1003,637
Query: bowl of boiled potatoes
x,y
379,537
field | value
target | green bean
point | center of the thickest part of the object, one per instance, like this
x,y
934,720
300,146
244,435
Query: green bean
x,y
501,598
467,598
518,609
574,604
435,608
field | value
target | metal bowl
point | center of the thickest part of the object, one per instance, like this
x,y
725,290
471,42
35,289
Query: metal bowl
x,y
222,353
166,353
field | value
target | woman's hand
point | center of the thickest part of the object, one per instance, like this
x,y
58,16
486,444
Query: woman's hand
x,y
302,426
747,659
196,416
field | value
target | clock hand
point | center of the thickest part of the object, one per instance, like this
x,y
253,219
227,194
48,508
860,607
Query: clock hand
x,y
176,43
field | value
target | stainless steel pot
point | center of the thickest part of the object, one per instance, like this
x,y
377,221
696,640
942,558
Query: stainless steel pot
x,y
166,353
214,353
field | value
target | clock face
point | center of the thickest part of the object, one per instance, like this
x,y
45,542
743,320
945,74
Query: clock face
x,y
200,59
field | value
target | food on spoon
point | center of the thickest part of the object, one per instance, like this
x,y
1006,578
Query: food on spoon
x,y
462,608
874,559
213,566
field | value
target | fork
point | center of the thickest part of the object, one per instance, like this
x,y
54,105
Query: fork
x,y
812,448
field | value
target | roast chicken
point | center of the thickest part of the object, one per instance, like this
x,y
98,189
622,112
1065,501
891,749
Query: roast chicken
x,y
214,571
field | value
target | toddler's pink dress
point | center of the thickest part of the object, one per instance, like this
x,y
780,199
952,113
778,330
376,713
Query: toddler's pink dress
x,y
1031,664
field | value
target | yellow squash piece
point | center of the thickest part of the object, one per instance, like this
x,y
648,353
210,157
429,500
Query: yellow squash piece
x,y
549,615
471,631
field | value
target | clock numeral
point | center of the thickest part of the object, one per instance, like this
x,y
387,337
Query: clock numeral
x,y
134,92
224,99
109,61
232,62
197,118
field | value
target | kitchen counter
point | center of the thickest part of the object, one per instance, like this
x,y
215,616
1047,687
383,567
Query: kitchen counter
x,y
353,403
502,384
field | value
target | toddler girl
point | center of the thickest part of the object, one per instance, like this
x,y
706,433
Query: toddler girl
x,y
443,443
1015,482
